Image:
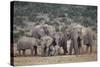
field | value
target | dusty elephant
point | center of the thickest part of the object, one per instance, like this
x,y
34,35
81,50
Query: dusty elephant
x,y
59,39
56,50
42,30
88,39
65,39
78,38
46,42
27,43
75,41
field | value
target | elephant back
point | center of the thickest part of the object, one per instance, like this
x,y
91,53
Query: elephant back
x,y
26,43
42,30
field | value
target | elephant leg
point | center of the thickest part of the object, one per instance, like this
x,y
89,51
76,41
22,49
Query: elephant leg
x,y
76,49
65,50
32,52
47,50
90,48
87,47
19,51
55,51
79,44
24,52
43,51
79,50
35,48
70,49
82,50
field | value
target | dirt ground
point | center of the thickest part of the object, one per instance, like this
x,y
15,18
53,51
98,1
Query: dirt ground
x,y
38,60
54,59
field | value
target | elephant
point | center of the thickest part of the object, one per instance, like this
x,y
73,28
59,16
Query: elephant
x,y
56,50
74,35
46,42
38,32
66,41
79,37
57,37
52,50
27,43
59,40
42,30
88,39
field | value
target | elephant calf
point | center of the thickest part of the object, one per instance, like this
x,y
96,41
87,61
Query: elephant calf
x,y
27,43
46,42
56,50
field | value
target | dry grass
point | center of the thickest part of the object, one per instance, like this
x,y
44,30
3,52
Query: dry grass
x,y
54,59
36,60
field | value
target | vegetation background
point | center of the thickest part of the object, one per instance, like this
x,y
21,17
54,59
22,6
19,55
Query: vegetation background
x,y
28,14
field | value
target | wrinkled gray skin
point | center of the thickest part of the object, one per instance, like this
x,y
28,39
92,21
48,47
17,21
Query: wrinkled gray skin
x,y
42,30
88,40
66,37
27,43
57,37
52,50
74,35
74,43
38,32
76,40
56,50
46,42
59,41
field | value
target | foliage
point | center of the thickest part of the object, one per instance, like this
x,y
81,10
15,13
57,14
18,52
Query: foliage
x,y
53,14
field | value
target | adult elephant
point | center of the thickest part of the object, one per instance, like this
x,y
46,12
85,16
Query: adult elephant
x,y
42,30
46,42
59,40
88,39
75,36
27,43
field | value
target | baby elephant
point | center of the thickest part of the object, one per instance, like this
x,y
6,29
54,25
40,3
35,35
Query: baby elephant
x,y
46,42
27,43
56,50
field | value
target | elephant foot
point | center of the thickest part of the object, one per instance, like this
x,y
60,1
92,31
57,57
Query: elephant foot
x,y
64,54
90,53
86,52
43,55
69,54
35,55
